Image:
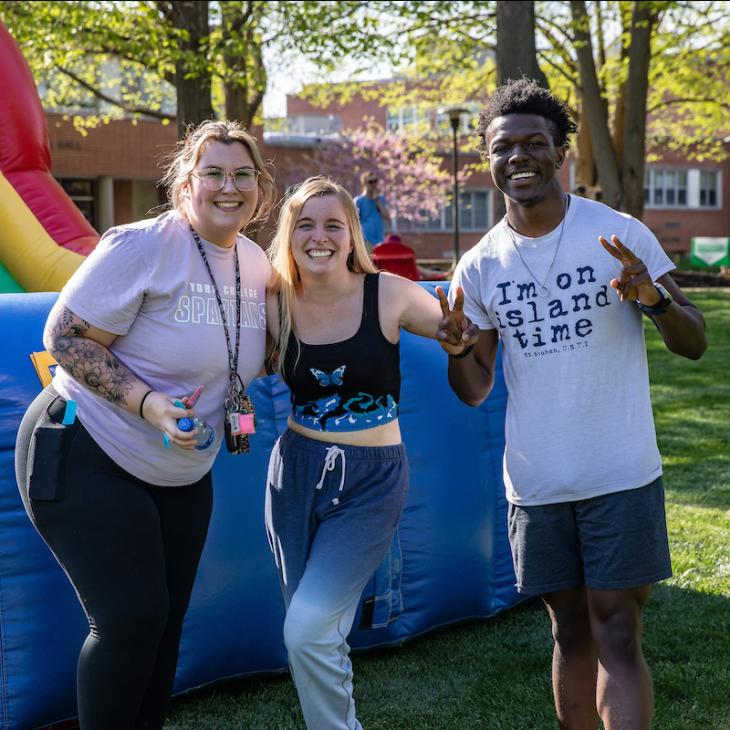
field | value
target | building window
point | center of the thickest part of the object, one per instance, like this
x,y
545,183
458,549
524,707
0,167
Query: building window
x,y
403,117
83,193
474,215
665,187
708,189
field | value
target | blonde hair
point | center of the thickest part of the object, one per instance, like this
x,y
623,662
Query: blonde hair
x,y
187,153
281,256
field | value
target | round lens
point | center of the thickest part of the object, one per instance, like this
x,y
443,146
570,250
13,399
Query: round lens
x,y
212,179
245,179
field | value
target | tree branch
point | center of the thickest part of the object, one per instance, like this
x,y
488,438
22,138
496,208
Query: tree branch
x,y
688,100
572,79
116,102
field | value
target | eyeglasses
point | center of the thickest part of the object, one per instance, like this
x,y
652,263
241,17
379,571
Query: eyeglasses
x,y
212,178
372,182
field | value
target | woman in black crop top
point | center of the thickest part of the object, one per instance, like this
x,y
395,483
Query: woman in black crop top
x,y
339,475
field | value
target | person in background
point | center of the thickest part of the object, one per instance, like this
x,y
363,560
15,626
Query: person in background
x,y
372,209
581,466
338,476
118,491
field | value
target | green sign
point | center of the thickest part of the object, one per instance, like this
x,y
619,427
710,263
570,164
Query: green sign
x,y
708,251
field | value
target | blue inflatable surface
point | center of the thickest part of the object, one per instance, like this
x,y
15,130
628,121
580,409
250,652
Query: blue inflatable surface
x,y
450,559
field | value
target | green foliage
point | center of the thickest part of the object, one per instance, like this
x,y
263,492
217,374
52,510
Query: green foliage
x,y
444,56
70,44
78,51
688,102
495,674
443,53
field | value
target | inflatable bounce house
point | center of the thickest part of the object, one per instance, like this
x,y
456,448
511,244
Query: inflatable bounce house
x,y
449,561
43,235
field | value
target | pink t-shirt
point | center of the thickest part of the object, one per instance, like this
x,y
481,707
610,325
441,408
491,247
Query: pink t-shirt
x,y
146,282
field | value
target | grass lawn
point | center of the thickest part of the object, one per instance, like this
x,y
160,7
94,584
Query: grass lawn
x,y
494,675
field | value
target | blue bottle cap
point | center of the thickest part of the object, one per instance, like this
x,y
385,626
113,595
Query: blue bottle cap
x,y
185,424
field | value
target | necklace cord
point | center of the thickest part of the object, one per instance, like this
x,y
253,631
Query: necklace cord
x,y
542,285
232,355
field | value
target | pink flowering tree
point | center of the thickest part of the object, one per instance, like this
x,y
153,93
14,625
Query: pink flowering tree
x,y
414,179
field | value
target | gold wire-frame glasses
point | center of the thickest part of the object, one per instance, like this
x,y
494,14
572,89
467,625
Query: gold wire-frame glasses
x,y
213,178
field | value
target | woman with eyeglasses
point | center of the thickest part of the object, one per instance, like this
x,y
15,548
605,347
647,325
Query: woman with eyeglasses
x,y
122,495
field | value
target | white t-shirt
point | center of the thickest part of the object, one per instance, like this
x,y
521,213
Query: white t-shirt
x,y
147,283
579,420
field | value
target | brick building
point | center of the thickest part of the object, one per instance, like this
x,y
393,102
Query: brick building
x,y
112,172
684,198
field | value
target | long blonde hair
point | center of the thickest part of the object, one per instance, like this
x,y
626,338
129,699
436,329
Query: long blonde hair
x,y
281,256
187,153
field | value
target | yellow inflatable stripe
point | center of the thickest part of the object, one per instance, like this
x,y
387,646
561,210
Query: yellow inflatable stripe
x,y
31,256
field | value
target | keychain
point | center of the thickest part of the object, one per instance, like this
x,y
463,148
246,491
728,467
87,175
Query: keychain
x,y
240,419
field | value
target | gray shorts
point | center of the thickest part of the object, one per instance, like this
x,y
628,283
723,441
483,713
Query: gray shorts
x,y
609,542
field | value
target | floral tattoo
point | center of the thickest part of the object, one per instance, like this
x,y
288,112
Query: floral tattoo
x,y
87,361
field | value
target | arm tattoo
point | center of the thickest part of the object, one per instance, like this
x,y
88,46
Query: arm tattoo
x,y
87,361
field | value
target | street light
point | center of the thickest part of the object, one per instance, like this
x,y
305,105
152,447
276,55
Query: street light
x,y
454,115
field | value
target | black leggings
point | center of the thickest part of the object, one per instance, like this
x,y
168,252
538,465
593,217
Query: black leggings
x,y
131,551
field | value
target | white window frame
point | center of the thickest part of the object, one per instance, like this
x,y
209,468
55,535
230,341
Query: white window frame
x,y
694,177
402,117
718,190
652,171
411,227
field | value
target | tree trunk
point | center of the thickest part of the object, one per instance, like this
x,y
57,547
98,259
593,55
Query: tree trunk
x,y
516,52
619,113
595,108
585,167
516,57
642,26
192,77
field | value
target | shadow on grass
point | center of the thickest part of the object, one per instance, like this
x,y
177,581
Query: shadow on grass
x,y
495,674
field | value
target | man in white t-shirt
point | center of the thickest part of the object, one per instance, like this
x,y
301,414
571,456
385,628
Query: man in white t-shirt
x,y
562,282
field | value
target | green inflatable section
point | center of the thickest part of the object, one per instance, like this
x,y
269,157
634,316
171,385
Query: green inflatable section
x,y
8,285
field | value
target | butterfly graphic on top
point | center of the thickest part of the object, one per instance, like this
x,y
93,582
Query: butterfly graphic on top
x,y
333,378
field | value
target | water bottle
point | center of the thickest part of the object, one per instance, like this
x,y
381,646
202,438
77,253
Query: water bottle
x,y
206,433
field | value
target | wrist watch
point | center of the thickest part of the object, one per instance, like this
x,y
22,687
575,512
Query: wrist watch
x,y
661,306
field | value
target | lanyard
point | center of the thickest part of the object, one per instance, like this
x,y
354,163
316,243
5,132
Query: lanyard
x,y
235,384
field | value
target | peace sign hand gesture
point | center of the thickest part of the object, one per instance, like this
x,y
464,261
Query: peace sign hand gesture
x,y
634,281
455,332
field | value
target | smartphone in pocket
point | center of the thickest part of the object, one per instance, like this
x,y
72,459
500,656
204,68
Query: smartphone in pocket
x,y
47,464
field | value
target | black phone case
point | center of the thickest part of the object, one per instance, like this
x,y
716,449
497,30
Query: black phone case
x,y
45,482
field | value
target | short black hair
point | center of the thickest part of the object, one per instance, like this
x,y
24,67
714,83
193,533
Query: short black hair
x,y
526,96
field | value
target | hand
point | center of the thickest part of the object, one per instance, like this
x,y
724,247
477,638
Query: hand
x,y
455,332
162,413
634,281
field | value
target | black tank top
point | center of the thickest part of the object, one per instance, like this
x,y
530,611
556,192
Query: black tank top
x,y
350,385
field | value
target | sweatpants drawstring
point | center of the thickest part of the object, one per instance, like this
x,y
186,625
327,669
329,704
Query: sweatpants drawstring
x,y
330,461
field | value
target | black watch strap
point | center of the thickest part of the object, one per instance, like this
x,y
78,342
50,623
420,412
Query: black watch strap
x,y
660,307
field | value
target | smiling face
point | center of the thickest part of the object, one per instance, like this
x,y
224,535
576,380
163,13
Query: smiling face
x,y
321,240
523,157
218,215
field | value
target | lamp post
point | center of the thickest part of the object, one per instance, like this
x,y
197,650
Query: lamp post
x,y
454,115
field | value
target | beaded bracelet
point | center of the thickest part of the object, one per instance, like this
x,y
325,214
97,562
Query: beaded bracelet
x,y
463,353
141,404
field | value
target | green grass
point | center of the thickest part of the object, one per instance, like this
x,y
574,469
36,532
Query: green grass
x,y
494,674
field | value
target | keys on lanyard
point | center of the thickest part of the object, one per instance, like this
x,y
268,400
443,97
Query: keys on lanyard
x,y
239,414
239,417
